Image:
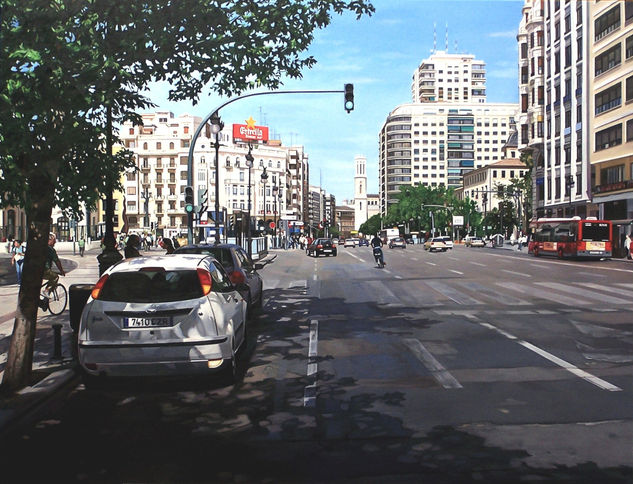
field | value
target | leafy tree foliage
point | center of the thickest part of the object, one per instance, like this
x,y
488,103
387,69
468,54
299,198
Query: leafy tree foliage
x,y
70,68
372,226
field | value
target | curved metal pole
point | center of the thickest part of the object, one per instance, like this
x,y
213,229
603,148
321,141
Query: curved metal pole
x,y
203,124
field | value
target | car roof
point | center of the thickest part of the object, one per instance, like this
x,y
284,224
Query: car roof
x,y
209,246
168,262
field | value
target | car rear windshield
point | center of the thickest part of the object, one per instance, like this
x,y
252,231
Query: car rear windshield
x,y
151,286
596,232
222,255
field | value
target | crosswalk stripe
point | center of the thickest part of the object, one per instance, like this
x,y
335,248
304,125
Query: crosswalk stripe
x,y
544,294
612,289
492,294
583,292
452,293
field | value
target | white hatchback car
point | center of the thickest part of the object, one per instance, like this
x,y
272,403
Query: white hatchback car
x,y
162,315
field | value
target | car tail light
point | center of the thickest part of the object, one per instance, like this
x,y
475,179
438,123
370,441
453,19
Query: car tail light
x,y
99,286
237,277
319,246
204,277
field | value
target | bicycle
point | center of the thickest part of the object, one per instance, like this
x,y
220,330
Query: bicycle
x,y
54,301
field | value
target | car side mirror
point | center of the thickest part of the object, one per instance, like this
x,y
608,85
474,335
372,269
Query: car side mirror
x,y
258,266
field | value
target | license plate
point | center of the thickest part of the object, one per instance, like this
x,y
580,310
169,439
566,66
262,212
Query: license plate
x,y
327,250
147,322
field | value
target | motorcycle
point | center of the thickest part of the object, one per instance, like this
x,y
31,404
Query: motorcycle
x,y
379,257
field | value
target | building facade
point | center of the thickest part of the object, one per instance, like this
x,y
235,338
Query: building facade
x,y
345,220
531,117
610,36
436,144
154,191
444,77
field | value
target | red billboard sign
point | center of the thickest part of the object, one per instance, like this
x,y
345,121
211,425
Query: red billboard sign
x,y
250,132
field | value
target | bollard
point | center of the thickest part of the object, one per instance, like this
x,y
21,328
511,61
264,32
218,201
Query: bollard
x,y
57,341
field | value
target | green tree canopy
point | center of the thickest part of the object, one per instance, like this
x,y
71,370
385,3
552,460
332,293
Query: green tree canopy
x,y
69,68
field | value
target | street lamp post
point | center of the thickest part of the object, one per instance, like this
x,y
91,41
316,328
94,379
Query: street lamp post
x,y
146,198
264,177
249,163
216,127
275,188
569,181
279,195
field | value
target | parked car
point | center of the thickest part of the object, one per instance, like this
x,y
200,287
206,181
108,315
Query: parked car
x,y
474,242
162,315
397,242
434,244
363,242
448,242
350,242
321,247
238,265
409,240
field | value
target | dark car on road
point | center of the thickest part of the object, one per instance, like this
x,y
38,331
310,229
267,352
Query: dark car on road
x,y
321,247
238,265
363,242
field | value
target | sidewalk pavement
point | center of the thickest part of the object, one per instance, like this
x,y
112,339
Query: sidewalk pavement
x,y
49,375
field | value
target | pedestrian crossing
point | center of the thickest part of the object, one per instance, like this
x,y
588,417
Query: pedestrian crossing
x,y
459,293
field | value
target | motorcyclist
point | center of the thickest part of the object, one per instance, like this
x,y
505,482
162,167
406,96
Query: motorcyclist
x,y
376,244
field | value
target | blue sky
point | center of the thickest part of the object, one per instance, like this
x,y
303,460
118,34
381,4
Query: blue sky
x,y
378,54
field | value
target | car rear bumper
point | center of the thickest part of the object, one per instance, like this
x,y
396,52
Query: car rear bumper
x,y
152,359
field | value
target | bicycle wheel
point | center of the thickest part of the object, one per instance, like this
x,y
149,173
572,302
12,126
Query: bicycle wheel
x,y
57,300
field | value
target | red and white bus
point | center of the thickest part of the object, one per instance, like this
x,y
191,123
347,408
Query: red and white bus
x,y
571,237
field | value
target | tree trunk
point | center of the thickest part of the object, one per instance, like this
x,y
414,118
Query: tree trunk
x,y
17,373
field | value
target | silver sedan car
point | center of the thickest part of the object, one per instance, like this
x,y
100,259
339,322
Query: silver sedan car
x,y
162,315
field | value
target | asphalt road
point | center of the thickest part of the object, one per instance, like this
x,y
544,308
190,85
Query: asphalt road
x,y
471,365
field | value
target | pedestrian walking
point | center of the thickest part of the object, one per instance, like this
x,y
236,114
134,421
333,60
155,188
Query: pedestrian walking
x,y
167,244
17,258
82,246
627,246
132,246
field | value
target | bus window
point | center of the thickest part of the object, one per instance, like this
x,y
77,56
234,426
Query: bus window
x,y
595,232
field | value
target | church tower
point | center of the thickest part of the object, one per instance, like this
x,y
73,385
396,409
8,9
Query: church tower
x,y
360,191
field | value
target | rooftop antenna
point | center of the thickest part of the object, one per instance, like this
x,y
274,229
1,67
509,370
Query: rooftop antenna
x,y
447,37
456,51
434,38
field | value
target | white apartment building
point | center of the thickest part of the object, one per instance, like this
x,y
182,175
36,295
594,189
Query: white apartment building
x,y
531,118
154,191
436,144
444,77
566,179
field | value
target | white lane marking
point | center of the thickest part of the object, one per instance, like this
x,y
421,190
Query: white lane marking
x,y
314,277
310,390
608,288
414,258
478,264
594,380
398,277
355,256
453,258
431,264
516,273
544,294
457,272
440,373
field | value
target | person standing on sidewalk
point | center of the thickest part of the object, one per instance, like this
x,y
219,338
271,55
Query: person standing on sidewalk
x,y
627,246
18,258
82,246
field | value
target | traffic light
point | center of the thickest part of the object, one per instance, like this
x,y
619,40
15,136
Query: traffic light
x,y
349,97
189,199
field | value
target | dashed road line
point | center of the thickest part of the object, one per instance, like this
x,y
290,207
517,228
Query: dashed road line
x,y
457,272
516,273
310,390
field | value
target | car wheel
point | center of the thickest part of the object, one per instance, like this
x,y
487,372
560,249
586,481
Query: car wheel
x,y
92,382
229,370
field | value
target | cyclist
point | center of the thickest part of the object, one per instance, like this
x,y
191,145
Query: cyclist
x,y
51,256
376,244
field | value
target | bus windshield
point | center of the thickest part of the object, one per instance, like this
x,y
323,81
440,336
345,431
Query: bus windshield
x,y
595,232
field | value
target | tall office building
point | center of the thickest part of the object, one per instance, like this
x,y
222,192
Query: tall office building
x,y
444,77
436,144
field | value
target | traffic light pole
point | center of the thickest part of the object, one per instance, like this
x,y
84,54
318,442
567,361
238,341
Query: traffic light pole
x,y
349,106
